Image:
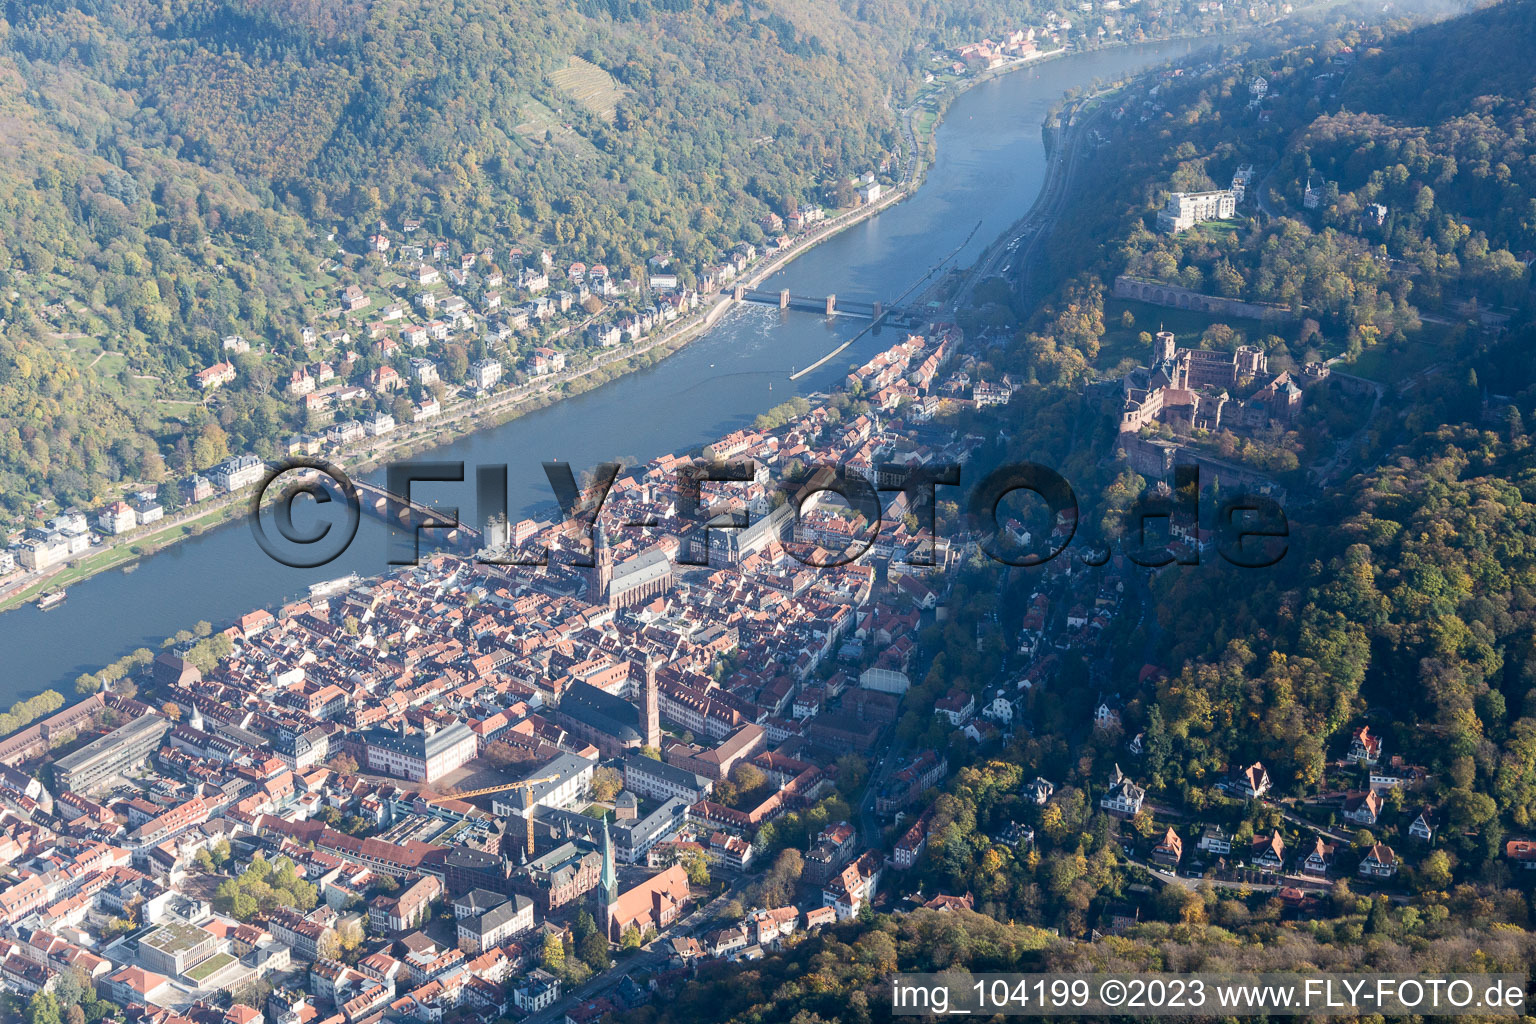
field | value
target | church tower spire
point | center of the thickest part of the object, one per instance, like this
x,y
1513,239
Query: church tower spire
x,y
608,883
602,558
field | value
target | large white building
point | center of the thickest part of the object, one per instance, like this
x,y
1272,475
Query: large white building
x,y
538,990
235,473
39,553
494,926
1186,209
418,756
658,780
118,517
568,782
485,373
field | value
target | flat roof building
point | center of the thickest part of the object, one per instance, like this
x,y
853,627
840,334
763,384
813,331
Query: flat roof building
x,y
176,947
108,755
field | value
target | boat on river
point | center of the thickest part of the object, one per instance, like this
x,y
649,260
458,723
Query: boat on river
x,y
330,588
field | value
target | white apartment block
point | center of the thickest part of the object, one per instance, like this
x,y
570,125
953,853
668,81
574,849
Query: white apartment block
x,y
1186,209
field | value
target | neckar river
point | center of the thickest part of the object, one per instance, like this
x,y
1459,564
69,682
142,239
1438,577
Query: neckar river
x,y
989,168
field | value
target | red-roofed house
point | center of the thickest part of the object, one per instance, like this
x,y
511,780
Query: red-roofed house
x,y
136,985
1379,862
1363,747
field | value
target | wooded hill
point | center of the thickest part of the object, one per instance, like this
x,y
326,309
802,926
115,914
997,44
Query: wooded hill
x,y
1405,600
174,169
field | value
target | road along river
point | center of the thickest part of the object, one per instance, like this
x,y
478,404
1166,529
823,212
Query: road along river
x,y
989,167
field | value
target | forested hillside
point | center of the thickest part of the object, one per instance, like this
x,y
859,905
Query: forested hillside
x,y
1422,191
1412,597
1408,590
184,171
177,167
844,975
1406,603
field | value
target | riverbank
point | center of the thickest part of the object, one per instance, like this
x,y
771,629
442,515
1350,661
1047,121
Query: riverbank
x,y
122,554
477,415
504,408
467,418
990,166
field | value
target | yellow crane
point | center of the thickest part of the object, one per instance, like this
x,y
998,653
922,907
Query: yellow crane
x,y
527,789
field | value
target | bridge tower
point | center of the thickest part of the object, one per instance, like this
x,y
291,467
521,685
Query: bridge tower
x,y
831,304
739,292
879,309
784,298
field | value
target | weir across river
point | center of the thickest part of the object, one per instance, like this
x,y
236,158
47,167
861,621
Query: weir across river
x,y
829,305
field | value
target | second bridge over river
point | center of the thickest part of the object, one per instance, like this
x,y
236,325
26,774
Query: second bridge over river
x,y
829,305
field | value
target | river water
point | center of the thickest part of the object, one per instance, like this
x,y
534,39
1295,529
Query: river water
x,y
989,168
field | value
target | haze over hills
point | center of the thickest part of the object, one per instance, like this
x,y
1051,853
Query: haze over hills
x,y
179,165
183,172
1260,695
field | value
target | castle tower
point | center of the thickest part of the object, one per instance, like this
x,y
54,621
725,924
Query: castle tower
x,y
1163,347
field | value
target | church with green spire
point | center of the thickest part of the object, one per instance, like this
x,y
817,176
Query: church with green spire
x,y
608,883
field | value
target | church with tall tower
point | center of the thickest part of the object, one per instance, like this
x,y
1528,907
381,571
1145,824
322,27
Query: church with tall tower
x,y
651,706
639,578
602,566
607,884
645,908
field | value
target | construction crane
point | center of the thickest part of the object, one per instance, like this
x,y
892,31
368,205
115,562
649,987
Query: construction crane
x,y
526,786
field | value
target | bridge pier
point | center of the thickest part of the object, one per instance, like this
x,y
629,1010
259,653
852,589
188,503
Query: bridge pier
x,y
831,304
879,309
784,299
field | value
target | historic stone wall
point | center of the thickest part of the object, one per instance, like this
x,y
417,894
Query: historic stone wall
x,y
1160,294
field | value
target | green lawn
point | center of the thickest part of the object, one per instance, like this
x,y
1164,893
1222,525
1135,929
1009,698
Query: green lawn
x,y
1389,363
1121,342
210,967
